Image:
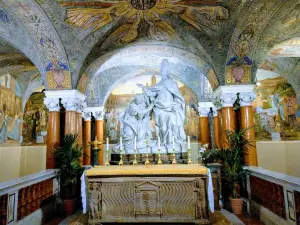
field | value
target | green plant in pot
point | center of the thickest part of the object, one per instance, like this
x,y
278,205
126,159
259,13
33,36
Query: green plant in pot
x,y
233,161
68,157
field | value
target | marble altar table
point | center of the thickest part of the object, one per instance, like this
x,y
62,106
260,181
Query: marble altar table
x,y
155,193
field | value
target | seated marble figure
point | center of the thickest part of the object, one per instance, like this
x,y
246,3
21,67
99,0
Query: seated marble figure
x,y
135,125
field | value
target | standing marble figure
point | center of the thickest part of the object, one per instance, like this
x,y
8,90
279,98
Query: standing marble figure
x,y
168,110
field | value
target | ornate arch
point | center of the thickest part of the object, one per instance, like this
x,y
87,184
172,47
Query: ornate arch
x,y
116,67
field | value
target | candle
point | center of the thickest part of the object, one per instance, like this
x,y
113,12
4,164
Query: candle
x,y
107,144
173,142
121,145
189,143
158,142
134,143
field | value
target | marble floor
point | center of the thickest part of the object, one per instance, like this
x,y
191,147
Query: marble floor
x,y
235,220
249,220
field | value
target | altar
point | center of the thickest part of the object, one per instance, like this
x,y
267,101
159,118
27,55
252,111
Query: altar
x,y
155,193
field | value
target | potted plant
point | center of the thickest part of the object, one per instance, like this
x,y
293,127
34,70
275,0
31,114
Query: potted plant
x,y
67,158
233,160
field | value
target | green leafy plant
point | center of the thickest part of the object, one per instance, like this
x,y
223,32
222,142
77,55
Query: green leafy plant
x,y
67,158
233,158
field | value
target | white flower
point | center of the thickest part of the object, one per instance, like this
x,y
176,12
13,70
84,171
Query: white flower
x,y
202,150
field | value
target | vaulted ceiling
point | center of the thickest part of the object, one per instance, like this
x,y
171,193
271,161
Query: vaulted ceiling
x,y
88,38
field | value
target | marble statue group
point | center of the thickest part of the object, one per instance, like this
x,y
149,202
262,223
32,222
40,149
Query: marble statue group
x,y
165,103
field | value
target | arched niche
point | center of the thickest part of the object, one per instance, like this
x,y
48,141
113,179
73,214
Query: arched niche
x,y
123,94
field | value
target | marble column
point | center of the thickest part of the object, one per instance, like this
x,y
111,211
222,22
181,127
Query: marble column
x,y
53,129
216,129
204,109
220,126
228,119
79,129
247,122
71,100
99,118
87,159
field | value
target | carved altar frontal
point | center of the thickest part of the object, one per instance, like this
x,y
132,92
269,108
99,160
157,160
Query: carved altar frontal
x,y
139,194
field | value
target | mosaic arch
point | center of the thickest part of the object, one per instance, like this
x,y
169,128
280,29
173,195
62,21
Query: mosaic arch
x,y
143,55
14,36
46,42
112,68
102,85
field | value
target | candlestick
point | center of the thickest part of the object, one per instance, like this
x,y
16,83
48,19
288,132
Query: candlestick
x,y
147,157
107,143
159,157
107,152
121,152
189,157
134,161
174,156
189,142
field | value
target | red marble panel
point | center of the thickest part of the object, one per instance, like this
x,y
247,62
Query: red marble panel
x,y
297,205
268,194
30,197
3,209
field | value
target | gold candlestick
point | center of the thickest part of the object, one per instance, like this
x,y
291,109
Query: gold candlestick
x,y
159,157
174,157
134,161
107,161
121,157
147,157
189,156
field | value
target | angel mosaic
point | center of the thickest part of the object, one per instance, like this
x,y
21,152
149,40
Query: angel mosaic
x,y
132,13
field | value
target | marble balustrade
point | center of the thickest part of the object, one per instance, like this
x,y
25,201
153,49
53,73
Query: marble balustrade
x,y
273,197
21,197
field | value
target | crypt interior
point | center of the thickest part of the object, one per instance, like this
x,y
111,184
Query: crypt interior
x,y
157,111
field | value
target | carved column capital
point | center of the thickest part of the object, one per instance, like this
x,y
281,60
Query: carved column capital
x,y
52,104
228,99
87,116
99,115
70,103
246,98
225,96
80,106
72,100
204,108
217,102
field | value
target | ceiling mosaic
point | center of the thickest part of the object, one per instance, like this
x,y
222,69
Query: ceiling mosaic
x,y
139,15
227,41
